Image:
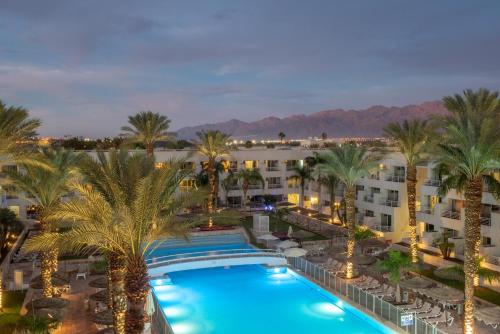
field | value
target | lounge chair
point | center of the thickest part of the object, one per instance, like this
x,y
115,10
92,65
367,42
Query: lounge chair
x,y
370,286
417,303
388,292
435,312
327,264
367,280
444,318
427,307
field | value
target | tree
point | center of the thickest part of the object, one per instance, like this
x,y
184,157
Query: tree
x,y
47,187
213,145
302,174
147,128
246,177
331,182
467,154
395,264
9,226
317,175
349,163
15,128
324,136
282,136
363,233
412,138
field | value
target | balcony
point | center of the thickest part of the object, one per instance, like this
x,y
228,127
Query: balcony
x,y
389,202
254,186
433,183
235,187
368,198
427,210
272,169
274,186
382,228
451,214
374,177
395,178
486,221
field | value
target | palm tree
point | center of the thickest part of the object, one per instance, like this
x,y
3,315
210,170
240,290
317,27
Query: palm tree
x,y
395,264
331,182
349,163
213,145
246,177
467,155
412,138
15,128
302,174
317,175
147,128
282,136
46,187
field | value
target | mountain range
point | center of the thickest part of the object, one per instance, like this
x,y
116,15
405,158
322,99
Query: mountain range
x,y
335,123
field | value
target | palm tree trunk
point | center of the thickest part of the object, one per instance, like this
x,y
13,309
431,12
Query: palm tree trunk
x,y
319,197
411,180
46,274
349,194
109,302
54,259
117,268
332,204
302,191
472,229
212,181
245,189
136,287
150,151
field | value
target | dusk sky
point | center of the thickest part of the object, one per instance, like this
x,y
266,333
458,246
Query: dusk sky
x,y
84,66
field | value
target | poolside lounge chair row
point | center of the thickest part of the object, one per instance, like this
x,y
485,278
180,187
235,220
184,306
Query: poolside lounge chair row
x,y
429,313
333,266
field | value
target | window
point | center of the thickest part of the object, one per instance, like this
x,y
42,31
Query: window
x,y
385,222
374,190
392,195
274,182
292,182
369,213
188,165
486,241
186,184
290,164
272,165
429,228
250,164
233,166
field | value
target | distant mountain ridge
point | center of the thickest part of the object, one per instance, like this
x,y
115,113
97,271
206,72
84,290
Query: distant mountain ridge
x,y
367,122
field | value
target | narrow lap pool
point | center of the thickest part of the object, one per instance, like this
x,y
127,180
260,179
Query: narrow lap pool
x,y
251,299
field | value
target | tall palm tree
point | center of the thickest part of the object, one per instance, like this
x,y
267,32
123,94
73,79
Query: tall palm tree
x,y
246,177
46,187
302,174
412,138
468,153
349,163
282,136
147,127
213,145
331,182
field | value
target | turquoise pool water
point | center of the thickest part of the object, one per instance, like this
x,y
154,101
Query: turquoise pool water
x,y
252,299
196,250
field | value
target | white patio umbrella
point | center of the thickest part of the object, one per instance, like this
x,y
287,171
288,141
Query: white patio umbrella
x,y
287,244
295,252
267,237
290,231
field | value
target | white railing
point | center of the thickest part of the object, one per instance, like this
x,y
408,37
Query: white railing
x,y
389,202
395,178
382,228
451,214
433,183
273,169
427,210
274,186
367,301
210,255
486,221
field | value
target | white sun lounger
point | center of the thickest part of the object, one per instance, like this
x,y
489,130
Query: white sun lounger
x,y
435,312
427,307
444,318
417,303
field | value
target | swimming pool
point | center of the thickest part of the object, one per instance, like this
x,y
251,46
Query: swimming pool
x,y
255,299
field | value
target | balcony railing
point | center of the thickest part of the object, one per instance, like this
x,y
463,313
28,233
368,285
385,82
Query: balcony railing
x,y
382,228
254,186
273,169
395,178
274,186
427,210
433,183
368,198
235,187
451,214
289,168
389,202
486,221
374,177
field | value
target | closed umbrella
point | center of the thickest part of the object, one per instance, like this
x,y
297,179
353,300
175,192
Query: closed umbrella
x,y
287,244
295,252
150,304
290,231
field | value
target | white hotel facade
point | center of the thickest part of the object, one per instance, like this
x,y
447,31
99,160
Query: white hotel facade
x,y
381,199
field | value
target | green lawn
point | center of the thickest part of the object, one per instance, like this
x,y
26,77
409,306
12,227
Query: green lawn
x,y
9,316
489,295
276,225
